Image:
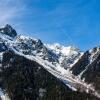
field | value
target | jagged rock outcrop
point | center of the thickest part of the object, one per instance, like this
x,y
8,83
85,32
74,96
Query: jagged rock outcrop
x,y
8,30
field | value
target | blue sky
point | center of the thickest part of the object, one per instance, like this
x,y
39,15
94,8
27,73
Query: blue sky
x,y
68,22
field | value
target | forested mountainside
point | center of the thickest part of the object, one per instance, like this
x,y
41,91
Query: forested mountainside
x,y
23,79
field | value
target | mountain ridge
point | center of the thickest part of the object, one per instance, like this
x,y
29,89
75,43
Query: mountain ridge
x,y
58,60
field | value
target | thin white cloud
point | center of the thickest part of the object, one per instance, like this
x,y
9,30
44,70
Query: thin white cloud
x,y
10,10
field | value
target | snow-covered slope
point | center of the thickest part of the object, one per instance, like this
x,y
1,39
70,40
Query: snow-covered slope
x,y
55,54
3,96
68,56
56,59
87,59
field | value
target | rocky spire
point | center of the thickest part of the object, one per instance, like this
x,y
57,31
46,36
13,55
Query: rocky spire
x,y
8,30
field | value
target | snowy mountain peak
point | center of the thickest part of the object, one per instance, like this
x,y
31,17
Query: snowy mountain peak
x,y
55,54
8,30
67,55
94,50
60,49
